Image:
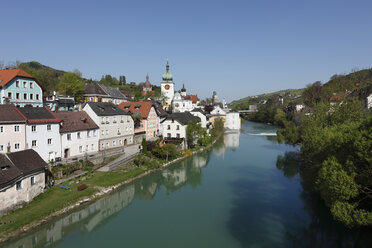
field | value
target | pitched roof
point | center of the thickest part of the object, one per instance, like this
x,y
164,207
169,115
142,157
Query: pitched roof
x,y
9,114
113,92
75,121
8,75
182,118
106,109
38,115
18,164
159,109
199,110
134,107
193,98
94,89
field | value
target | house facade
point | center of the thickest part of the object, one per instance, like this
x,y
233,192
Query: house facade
x,y
42,132
116,127
19,88
202,115
232,121
22,178
181,104
148,125
12,129
79,135
174,128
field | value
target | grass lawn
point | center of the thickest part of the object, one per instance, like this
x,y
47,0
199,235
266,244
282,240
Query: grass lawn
x,y
105,179
43,205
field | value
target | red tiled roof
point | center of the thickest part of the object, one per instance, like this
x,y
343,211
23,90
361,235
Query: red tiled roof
x,y
75,121
193,98
143,107
336,97
8,75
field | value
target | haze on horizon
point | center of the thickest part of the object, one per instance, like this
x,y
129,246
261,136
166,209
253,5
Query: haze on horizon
x,y
237,48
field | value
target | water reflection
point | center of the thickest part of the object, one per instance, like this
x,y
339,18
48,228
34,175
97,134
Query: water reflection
x,y
320,230
89,218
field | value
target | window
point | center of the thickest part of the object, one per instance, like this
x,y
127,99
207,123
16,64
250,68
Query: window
x,y
169,135
33,128
88,134
178,135
178,127
68,136
37,97
17,96
16,146
92,147
1,129
16,129
1,148
107,132
32,180
141,125
19,185
10,95
49,141
86,148
33,143
120,142
17,84
168,127
31,96
80,148
114,119
24,84
49,127
119,131
31,85
25,96
78,135
114,143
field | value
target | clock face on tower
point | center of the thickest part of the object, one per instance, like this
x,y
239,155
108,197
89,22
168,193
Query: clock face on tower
x,y
167,86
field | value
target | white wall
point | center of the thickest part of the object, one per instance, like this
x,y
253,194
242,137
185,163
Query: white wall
x,y
10,196
173,129
203,118
232,121
89,144
41,135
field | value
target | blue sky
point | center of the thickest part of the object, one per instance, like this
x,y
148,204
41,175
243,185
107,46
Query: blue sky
x,y
237,48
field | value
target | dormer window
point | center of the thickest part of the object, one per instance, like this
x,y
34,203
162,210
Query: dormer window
x,y
5,167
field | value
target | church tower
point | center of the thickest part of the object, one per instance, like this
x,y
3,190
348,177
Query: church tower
x,y
167,86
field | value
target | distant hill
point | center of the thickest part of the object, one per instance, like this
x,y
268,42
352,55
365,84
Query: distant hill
x,y
47,77
339,84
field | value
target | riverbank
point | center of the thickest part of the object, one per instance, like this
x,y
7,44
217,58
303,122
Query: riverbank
x,y
56,201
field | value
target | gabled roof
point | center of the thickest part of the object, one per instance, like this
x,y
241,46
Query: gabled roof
x,y
75,121
143,107
8,75
193,98
199,110
182,118
113,92
19,164
106,109
94,89
9,114
35,115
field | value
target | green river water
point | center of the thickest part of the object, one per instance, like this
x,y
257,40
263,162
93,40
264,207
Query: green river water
x,y
243,192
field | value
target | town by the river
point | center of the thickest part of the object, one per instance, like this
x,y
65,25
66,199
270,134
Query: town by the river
x,y
243,192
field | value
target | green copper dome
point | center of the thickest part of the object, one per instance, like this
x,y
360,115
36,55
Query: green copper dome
x,y
167,76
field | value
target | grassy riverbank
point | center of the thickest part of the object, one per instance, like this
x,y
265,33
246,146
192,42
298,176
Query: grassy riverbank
x,y
56,201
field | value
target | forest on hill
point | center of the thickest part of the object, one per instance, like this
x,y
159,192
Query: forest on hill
x,y
51,79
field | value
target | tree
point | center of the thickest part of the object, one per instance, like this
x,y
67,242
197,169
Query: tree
x,y
313,94
144,146
71,85
194,132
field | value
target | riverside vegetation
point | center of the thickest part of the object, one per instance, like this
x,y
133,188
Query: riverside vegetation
x,y
335,141
153,157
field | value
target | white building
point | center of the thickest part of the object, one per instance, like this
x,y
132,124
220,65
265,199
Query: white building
x,y
42,132
22,177
79,134
181,104
174,128
369,101
232,121
202,115
116,126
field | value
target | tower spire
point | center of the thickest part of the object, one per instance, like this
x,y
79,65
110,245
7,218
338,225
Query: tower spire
x,y
167,66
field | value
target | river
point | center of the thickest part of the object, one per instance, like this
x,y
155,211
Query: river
x,y
243,192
